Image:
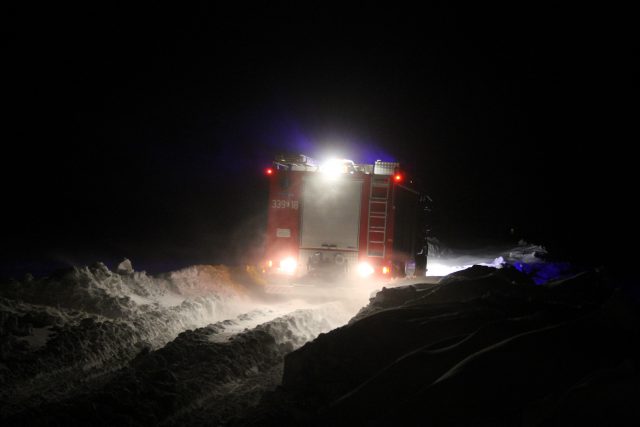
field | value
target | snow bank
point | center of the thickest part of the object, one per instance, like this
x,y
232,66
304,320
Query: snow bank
x,y
85,322
484,347
180,382
92,346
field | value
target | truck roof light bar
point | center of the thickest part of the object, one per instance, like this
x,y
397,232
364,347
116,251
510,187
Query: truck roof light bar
x,y
301,162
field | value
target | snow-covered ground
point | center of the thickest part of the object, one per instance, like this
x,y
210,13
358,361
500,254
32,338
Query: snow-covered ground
x,y
205,344
483,346
73,333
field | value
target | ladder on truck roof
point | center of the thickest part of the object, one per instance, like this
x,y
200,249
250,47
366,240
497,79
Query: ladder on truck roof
x,y
377,218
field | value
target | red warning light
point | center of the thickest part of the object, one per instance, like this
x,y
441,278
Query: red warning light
x,y
397,177
268,171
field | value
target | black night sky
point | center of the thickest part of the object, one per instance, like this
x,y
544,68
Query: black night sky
x,y
143,132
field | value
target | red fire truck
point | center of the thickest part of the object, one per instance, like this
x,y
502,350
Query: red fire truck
x,y
340,219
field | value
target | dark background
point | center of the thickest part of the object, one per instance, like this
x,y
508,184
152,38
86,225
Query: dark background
x,y
143,132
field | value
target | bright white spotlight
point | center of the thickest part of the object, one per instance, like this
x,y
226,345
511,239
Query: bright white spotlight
x,y
364,269
333,168
288,265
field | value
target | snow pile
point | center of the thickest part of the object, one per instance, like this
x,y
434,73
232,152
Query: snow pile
x,y
186,381
82,323
485,346
93,346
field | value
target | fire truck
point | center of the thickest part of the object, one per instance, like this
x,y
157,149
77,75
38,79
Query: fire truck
x,y
341,219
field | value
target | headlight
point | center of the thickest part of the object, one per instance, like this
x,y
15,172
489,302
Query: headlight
x,y
364,269
288,265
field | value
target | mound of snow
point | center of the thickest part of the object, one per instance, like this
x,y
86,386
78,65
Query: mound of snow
x,y
89,321
192,374
484,347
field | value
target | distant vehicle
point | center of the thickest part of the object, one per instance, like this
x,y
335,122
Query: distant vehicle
x,y
340,219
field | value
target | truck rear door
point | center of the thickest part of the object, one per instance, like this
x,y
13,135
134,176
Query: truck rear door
x,y
330,212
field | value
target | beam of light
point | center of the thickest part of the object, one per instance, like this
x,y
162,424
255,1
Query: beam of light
x,y
436,269
442,269
364,269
